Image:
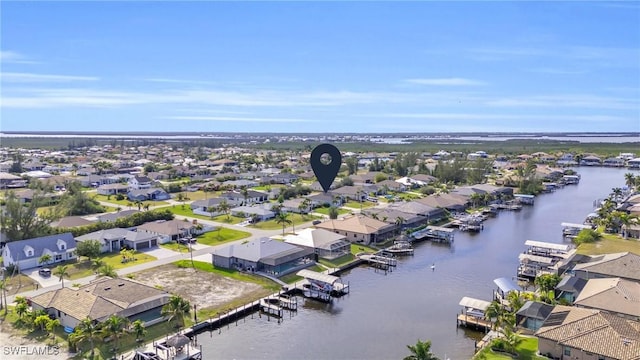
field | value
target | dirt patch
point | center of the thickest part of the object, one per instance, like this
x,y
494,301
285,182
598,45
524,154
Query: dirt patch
x,y
205,289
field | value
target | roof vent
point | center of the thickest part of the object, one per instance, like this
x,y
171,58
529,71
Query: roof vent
x,y
121,284
107,288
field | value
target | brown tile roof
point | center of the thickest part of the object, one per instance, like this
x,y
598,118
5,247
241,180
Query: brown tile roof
x,y
98,299
611,294
594,331
357,224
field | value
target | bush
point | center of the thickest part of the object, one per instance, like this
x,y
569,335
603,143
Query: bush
x,y
119,197
587,236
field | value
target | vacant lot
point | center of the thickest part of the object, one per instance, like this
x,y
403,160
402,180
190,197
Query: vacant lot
x,y
205,289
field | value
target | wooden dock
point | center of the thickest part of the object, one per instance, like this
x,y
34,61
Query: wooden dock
x,y
379,261
435,233
473,322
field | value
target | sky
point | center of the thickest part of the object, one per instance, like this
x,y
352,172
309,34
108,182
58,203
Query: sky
x,y
310,67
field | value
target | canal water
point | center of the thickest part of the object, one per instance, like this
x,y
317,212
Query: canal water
x,y
385,312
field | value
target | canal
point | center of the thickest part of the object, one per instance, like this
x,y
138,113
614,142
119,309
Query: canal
x,y
384,313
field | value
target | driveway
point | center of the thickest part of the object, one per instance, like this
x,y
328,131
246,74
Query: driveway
x,y
159,252
43,281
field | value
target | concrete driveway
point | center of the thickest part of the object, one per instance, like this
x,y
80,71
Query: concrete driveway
x,y
43,281
159,252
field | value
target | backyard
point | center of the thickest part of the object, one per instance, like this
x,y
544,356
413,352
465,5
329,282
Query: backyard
x,y
80,269
126,203
272,224
527,350
325,211
358,205
222,235
610,244
185,210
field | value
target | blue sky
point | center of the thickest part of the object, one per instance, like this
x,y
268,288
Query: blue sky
x,y
320,66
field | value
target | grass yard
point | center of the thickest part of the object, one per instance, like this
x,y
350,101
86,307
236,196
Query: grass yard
x,y
222,235
356,205
292,277
174,246
77,270
408,196
358,248
179,210
337,262
325,211
19,283
526,351
267,187
273,225
610,244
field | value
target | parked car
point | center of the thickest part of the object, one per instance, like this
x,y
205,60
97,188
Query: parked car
x,y
44,272
316,222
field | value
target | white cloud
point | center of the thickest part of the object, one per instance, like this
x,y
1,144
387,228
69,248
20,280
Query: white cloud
x,y
31,77
513,117
446,82
14,57
566,101
237,119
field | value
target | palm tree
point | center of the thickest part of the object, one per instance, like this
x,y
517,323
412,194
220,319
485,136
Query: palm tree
x,y
21,309
61,272
45,259
630,180
494,311
304,206
107,270
283,218
512,339
224,207
515,301
139,329
399,222
333,212
245,194
421,351
86,330
176,308
114,326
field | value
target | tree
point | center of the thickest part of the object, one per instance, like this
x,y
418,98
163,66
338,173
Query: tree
x,y
52,325
61,272
107,270
139,329
20,222
304,206
347,181
399,222
245,194
77,202
88,248
421,351
511,339
515,301
224,207
283,218
86,331
45,259
41,321
547,282
114,326
352,165
21,309
494,313
587,236
333,212
630,180
176,308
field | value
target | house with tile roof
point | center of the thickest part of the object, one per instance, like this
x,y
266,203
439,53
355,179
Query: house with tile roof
x,y
614,295
624,265
113,240
25,253
578,333
102,298
360,229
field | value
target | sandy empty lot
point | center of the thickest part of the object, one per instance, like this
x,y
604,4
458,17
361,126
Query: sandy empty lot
x,y
199,287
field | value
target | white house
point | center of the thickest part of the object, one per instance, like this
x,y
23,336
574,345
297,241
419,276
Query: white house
x,y
140,182
26,253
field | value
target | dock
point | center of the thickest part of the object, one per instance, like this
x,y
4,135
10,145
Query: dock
x,y
435,233
400,248
379,261
474,322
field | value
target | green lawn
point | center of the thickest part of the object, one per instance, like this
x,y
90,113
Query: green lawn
x,y
342,260
610,244
526,351
358,248
185,210
222,235
77,270
408,196
174,246
267,187
292,277
356,205
325,211
272,224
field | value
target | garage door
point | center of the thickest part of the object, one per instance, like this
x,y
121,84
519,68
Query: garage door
x,y
154,242
142,245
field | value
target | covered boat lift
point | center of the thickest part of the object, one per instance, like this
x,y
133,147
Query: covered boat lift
x,y
325,283
472,313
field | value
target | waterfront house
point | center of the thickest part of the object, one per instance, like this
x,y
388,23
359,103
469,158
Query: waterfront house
x,y
578,333
102,298
634,163
360,229
569,287
450,202
613,162
614,295
113,240
427,212
324,243
532,315
590,160
263,255
25,254
624,265
390,215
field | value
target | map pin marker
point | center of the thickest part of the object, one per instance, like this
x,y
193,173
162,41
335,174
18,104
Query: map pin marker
x,y
326,167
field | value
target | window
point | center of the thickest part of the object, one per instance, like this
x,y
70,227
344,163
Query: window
x,y
29,253
567,351
61,246
58,258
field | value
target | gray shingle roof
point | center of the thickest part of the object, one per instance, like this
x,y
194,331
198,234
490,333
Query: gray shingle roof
x,y
39,244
